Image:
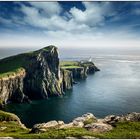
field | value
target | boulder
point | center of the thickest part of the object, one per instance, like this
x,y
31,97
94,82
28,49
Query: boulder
x,y
6,138
88,137
111,119
85,118
131,117
37,128
89,116
71,138
60,122
78,124
98,127
69,125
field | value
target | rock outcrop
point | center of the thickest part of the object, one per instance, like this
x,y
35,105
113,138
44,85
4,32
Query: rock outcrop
x,y
11,127
82,70
112,119
39,78
43,74
10,117
96,125
11,88
67,79
37,75
78,73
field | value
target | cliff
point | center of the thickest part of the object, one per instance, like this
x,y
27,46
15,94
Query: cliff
x,y
67,79
38,75
43,74
32,75
80,70
12,88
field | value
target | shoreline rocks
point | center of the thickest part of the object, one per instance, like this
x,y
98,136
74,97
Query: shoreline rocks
x,y
97,125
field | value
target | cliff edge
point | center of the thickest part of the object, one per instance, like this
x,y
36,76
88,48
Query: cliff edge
x,y
38,75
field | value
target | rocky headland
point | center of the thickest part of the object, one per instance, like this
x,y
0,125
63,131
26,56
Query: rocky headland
x,y
39,75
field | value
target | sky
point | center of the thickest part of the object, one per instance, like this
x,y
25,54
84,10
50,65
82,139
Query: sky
x,y
70,24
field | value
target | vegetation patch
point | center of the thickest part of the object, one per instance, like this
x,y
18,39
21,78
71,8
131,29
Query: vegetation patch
x,y
124,130
127,130
5,116
69,64
89,121
12,65
70,67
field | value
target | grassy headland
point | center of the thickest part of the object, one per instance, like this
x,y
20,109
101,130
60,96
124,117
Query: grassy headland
x,y
15,64
69,64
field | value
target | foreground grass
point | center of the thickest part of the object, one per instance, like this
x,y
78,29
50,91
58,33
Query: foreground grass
x,y
127,130
124,130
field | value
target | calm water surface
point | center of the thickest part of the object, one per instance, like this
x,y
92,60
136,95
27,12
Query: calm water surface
x,y
113,90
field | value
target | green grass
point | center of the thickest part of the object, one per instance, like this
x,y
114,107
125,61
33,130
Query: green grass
x,y
14,64
89,121
11,65
69,64
15,131
70,67
5,116
122,130
74,64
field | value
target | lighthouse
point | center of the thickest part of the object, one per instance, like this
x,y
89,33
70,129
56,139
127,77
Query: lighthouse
x,y
90,59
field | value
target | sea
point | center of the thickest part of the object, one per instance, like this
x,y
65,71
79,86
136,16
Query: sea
x,y
115,89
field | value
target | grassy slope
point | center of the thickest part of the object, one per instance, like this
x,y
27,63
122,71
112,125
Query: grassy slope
x,y
11,65
122,130
69,64
74,64
14,64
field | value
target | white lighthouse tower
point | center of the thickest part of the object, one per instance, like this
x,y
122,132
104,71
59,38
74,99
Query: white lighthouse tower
x,y
90,59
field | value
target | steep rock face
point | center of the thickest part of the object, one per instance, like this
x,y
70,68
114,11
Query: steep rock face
x,y
11,88
39,78
67,79
78,73
91,68
43,74
83,69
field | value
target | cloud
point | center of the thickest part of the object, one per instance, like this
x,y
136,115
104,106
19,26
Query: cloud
x,y
5,21
91,16
50,8
49,22
54,22
136,11
76,19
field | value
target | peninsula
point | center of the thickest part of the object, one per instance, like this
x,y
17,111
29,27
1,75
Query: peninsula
x,y
39,75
